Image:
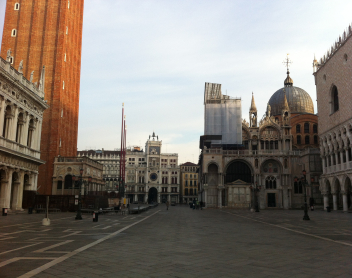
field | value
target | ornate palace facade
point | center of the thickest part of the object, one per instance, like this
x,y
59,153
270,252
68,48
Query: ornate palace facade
x,y
21,115
333,79
270,159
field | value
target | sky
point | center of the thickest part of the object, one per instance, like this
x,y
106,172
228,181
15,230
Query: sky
x,y
155,57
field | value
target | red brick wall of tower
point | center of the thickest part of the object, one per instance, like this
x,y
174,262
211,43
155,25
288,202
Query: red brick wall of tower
x,y
49,33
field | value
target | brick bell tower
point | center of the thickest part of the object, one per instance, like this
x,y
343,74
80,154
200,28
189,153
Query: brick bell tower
x,y
49,33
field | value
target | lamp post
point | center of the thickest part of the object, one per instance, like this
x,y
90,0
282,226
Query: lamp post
x,y
304,183
80,182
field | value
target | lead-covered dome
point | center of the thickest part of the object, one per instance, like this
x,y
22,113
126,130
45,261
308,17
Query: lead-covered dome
x,y
298,99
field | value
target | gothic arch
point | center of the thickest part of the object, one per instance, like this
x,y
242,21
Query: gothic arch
x,y
274,159
241,160
239,169
336,184
213,162
273,125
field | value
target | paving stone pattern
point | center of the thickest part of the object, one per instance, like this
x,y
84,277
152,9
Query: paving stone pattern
x,y
179,242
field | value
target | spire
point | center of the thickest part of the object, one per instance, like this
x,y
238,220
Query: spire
x,y
253,107
288,81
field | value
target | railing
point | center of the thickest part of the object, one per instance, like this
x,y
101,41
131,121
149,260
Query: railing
x,y
21,149
252,152
338,167
82,159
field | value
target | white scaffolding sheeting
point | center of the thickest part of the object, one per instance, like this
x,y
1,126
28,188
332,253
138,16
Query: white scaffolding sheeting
x,y
222,115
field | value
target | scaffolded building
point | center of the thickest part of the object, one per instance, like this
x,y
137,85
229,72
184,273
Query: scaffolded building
x,y
222,117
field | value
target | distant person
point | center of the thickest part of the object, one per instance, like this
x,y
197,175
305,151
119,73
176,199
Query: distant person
x,y
167,205
311,203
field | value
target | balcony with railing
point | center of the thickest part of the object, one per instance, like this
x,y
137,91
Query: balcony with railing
x,y
83,159
251,152
20,149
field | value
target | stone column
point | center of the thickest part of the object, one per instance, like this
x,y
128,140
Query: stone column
x,y
13,129
345,202
324,164
146,198
15,194
334,200
135,197
38,135
6,192
326,200
346,150
220,198
2,114
20,191
158,197
206,197
25,129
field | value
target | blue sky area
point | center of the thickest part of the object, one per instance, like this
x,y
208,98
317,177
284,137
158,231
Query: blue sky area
x,y
155,56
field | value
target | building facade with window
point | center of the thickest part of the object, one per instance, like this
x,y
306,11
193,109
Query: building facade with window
x,y
21,115
333,80
151,176
267,164
188,182
65,168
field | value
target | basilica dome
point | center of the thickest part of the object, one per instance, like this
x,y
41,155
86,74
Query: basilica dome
x,y
298,99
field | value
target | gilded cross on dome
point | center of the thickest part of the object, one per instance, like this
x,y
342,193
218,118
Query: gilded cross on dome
x,y
287,62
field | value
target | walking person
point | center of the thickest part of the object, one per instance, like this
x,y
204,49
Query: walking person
x,y
167,205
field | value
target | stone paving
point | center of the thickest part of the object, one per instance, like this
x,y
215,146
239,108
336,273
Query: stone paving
x,y
179,242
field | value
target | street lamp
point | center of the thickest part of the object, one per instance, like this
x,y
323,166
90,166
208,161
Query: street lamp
x,y
80,182
304,183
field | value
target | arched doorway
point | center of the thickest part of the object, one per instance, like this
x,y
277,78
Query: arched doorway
x,y
238,180
152,195
213,182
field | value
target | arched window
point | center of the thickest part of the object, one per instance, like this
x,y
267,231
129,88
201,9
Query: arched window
x,y
298,139
59,184
270,182
306,128
298,128
306,140
30,133
68,182
17,6
13,33
315,128
315,139
7,118
298,189
334,99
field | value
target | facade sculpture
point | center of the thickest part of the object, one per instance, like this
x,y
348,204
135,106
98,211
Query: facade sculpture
x,y
333,82
21,115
